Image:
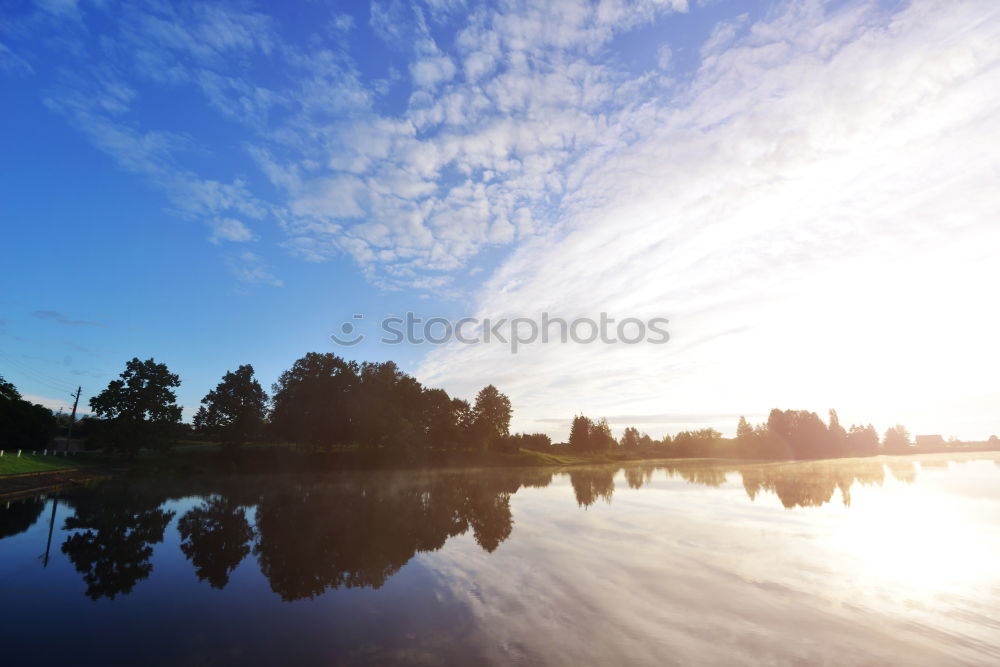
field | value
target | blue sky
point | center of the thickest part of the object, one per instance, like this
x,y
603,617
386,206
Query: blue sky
x,y
800,187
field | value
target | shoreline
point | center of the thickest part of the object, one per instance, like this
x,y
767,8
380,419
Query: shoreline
x,y
277,459
25,484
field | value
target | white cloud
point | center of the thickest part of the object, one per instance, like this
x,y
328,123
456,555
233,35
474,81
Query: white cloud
x,y
231,229
664,57
250,269
814,219
333,197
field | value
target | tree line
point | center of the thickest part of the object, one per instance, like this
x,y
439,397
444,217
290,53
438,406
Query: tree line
x,y
787,434
23,424
323,400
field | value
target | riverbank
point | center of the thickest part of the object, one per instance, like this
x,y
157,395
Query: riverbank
x,y
33,483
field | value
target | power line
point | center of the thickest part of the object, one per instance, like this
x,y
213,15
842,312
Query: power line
x,y
36,375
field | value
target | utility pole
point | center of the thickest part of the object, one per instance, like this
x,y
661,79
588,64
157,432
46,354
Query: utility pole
x,y
72,417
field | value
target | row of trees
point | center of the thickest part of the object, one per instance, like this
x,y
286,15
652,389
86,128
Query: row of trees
x,y
321,400
800,434
23,424
586,435
324,399
787,434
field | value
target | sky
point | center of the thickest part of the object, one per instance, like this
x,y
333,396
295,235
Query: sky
x,y
807,192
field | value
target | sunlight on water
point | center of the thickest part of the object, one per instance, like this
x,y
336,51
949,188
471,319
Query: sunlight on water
x,y
884,560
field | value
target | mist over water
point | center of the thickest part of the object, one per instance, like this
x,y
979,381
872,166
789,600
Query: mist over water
x,y
874,560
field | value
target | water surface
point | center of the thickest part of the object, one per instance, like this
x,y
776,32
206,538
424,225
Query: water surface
x,y
857,561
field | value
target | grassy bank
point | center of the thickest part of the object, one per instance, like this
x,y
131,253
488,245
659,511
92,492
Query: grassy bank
x,y
12,464
262,458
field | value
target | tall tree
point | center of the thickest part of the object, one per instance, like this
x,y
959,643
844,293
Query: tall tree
x,y
140,407
745,440
897,439
493,412
389,407
313,400
8,392
234,411
600,435
862,440
579,434
800,432
630,438
838,436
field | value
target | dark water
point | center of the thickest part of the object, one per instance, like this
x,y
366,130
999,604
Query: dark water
x,y
859,561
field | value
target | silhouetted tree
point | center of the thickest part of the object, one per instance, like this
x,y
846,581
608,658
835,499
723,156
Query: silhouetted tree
x,y
8,392
862,440
492,413
23,425
389,408
324,400
897,439
801,432
446,420
234,411
534,441
630,438
600,436
312,400
837,436
140,408
696,443
579,434
745,440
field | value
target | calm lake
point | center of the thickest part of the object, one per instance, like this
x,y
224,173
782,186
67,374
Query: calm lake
x,y
857,561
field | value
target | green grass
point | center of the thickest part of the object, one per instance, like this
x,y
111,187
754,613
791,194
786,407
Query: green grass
x,y
11,464
545,458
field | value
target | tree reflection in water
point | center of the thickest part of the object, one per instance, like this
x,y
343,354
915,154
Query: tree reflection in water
x,y
812,483
593,484
114,529
216,537
360,531
19,515
312,534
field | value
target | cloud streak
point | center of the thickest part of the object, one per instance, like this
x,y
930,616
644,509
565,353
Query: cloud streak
x,y
65,320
